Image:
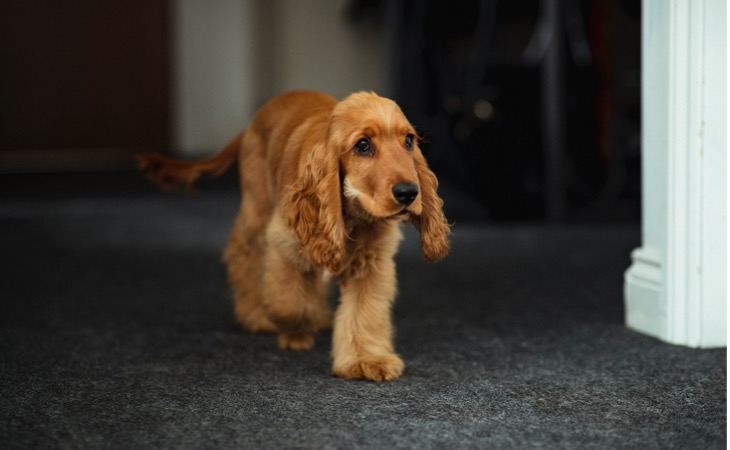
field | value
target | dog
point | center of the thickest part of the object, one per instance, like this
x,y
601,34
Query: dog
x,y
325,186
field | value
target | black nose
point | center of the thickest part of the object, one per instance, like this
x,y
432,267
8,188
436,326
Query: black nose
x,y
405,193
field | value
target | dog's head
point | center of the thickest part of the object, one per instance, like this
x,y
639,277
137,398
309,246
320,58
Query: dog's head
x,y
377,149
370,167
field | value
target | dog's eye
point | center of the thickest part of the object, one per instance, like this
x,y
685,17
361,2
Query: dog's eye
x,y
409,142
364,147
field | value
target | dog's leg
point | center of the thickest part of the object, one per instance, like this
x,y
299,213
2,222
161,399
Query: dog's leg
x,y
244,257
246,247
295,300
362,338
295,292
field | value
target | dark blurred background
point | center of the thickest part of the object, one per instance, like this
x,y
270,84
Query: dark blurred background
x,y
529,109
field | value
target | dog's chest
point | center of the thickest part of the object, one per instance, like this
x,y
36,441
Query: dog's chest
x,y
368,245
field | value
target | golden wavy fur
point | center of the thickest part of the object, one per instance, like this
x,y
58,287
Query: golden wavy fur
x,y
325,186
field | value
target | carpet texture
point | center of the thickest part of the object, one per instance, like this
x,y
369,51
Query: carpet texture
x,y
116,332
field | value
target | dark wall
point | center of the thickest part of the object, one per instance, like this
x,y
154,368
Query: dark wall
x,y
84,74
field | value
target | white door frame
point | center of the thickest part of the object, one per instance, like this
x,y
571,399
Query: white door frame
x,y
676,286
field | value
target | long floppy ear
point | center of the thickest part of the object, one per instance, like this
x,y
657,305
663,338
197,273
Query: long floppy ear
x,y
314,207
431,223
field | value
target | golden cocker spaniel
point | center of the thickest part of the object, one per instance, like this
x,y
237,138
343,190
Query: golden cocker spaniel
x,y
325,185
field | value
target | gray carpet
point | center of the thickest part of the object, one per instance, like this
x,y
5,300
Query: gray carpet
x,y
115,332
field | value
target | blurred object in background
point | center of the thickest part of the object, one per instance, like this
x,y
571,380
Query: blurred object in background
x,y
522,102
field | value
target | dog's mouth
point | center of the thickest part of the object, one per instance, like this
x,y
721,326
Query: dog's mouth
x,y
402,214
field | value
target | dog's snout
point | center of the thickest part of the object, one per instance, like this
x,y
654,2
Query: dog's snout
x,y
405,193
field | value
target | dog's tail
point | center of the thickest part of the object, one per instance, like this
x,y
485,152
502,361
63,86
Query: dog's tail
x,y
173,174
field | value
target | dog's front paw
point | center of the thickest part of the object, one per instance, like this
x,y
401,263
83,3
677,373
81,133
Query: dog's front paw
x,y
296,341
376,368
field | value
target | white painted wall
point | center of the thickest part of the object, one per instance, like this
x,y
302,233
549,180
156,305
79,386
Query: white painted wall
x,y
212,85
676,287
232,55
317,48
